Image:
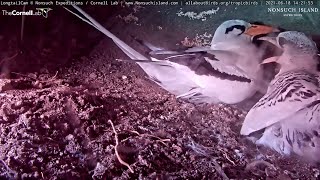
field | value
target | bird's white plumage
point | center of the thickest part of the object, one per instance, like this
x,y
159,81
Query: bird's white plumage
x,y
290,110
234,54
191,83
287,94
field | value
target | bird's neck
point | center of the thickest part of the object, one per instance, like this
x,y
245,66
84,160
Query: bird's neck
x,y
305,63
287,69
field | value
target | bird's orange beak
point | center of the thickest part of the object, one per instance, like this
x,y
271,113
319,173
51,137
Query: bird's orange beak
x,y
255,30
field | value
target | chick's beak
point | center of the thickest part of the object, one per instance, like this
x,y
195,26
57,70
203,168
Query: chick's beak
x,y
271,39
270,60
255,30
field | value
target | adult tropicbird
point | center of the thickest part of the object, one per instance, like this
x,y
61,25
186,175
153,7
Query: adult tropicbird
x,y
226,72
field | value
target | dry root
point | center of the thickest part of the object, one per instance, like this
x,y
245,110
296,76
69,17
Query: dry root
x,y
116,148
152,136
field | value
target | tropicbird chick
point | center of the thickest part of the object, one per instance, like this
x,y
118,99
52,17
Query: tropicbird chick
x,y
289,113
231,77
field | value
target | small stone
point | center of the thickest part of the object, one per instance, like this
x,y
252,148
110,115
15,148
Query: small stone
x,y
124,77
316,172
18,103
93,75
40,159
69,137
37,83
5,85
36,174
99,170
24,176
177,148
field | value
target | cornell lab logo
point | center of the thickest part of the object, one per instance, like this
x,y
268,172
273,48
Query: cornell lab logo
x,y
44,11
38,12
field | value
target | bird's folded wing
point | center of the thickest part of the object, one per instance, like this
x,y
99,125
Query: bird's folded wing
x,y
229,69
288,94
208,60
180,50
198,49
301,130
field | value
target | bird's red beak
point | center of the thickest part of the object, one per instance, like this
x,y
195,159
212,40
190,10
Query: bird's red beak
x,y
255,30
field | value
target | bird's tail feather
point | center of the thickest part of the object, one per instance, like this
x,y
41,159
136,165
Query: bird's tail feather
x,y
147,44
155,62
134,60
158,50
174,81
133,54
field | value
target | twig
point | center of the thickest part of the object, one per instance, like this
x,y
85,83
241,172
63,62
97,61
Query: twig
x,y
116,148
226,156
51,79
9,58
219,169
35,79
153,136
8,170
200,149
24,75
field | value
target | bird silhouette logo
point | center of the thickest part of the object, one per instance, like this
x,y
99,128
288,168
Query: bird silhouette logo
x,y
44,11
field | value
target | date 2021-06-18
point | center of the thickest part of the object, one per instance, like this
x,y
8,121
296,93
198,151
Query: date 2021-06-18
x,y
290,3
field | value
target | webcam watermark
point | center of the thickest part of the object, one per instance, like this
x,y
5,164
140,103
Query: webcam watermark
x,y
44,12
293,11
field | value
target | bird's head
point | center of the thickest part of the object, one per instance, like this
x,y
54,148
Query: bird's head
x,y
298,50
240,30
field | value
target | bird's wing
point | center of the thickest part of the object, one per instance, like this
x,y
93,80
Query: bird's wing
x,y
176,51
198,49
301,131
206,63
231,70
288,93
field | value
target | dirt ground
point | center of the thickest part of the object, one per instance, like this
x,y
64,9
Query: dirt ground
x,y
57,122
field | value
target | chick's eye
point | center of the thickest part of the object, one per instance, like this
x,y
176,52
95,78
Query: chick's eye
x,y
282,41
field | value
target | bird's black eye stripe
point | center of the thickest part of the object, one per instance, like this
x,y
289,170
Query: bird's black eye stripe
x,y
241,27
